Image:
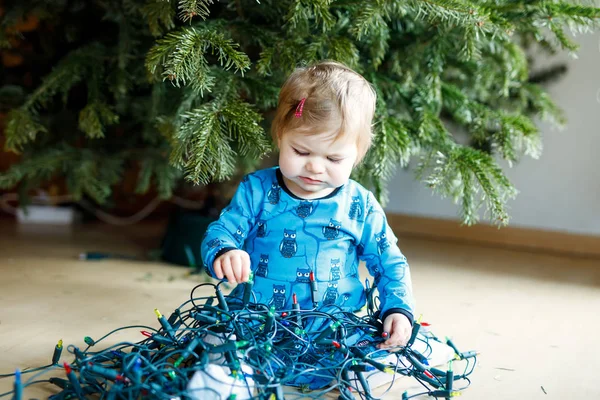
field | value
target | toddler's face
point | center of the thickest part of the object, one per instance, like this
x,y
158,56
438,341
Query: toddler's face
x,y
314,165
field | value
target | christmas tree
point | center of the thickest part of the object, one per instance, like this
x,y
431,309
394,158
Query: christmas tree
x,y
183,90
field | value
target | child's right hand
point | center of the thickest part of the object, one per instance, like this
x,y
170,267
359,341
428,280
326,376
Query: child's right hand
x,y
233,265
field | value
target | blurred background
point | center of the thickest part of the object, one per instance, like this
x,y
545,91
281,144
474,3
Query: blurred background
x,y
559,191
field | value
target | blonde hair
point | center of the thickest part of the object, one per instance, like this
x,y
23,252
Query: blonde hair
x,y
337,100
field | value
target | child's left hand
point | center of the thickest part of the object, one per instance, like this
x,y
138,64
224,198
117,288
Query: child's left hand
x,y
399,330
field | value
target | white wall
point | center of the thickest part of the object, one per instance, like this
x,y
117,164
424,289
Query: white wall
x,y
561,190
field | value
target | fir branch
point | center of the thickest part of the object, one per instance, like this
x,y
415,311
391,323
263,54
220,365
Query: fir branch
x,y
39,166
182,55
68,72
562,39
370,17
580,14
93,175
188,9
301,12
515,67
469,51
285,54
166,177
85,172
470,177
159,15
467,190
391,149
168,127
542,105
454,13
341,49
204,145
202,148
265,61
428,130
512,134
126,44
261,92
21,129
189,100
463,110
378,45
243,126
391,91
369,30
518,134
95,117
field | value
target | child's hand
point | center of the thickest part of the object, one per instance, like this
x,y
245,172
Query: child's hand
x,y
233,265
399,330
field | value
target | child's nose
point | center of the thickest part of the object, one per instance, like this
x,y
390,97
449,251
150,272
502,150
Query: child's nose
x,y
315,167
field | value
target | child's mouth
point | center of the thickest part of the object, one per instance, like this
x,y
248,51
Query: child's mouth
x,y
310,181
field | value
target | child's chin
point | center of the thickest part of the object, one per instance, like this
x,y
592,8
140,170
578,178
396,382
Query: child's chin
x,y
320,193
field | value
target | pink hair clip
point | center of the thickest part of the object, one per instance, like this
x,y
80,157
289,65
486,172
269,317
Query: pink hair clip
x,y
300,108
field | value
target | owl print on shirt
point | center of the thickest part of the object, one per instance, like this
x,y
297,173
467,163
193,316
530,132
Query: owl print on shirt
x,y
332,230
263,266
262,228
239,234
214,243
331,293
288,245
335,269
304,209
303,275
274,193
279,296
356,210
382,242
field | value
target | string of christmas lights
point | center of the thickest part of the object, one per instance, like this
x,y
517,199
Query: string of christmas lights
x,y
221,347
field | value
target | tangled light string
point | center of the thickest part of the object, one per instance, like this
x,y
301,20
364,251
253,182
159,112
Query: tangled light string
x,y
222,347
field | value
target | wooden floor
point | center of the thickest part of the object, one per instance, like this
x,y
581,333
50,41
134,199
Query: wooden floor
x,y
535,318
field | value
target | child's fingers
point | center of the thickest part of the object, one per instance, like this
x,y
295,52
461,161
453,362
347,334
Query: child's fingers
x,y
236,267
394,340
400,332
218,268
245,259
227,269
397,336
387,326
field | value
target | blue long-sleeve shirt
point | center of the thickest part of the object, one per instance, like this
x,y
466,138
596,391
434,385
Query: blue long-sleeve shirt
x,y
287,238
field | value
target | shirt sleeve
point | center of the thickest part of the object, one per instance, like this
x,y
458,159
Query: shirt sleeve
x,y
230,231
385,261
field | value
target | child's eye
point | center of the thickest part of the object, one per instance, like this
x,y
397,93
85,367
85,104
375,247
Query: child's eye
x,y
335,160
299,152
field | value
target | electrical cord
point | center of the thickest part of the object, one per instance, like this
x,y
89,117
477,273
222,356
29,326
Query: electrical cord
x,y
7,198
264,352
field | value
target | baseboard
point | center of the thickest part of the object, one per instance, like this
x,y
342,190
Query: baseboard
x,y
510,237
